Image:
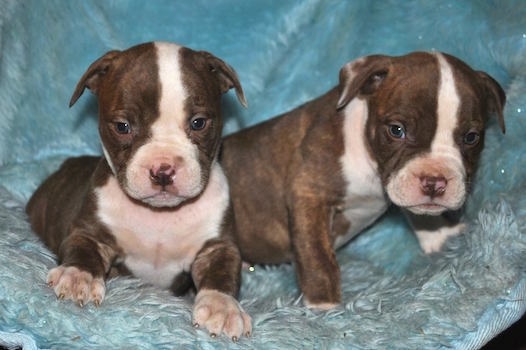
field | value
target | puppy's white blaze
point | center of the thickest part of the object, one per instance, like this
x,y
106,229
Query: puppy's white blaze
x,y
360,172
170,128
444,145
447,112
173,94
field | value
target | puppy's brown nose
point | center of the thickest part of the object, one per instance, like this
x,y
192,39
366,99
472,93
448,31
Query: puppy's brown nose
x,y
433,186
162,175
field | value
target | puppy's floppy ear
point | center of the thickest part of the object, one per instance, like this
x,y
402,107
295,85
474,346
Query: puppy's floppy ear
x,y
227,76
92,78
362,76
496,97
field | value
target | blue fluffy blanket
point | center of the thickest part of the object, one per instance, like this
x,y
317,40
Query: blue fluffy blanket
x,y
285,52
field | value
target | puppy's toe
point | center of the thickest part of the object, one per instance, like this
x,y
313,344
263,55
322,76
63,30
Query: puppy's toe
x,y
221,313
234,323
98,291
76,285
54,275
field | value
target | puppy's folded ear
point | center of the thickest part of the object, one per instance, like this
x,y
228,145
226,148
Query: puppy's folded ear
x,y
92,78
227,76
495,97
362,77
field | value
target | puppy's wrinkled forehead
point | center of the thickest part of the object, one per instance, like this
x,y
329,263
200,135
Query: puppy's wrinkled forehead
x,y
132,83
156,78
425,83
412,82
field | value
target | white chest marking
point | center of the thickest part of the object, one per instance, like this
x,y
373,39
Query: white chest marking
x,y
158,245
365,200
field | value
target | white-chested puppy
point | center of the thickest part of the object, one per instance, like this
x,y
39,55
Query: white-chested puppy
x,y
157,203
406,130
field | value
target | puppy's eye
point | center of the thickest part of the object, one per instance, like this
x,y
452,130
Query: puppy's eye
x,y
122,127
198,123
396,130
471,138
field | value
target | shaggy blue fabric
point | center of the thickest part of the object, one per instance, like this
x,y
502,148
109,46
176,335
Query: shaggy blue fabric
x,y
285,52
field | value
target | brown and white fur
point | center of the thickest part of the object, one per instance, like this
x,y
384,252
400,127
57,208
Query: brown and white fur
x,y
406,130
157,203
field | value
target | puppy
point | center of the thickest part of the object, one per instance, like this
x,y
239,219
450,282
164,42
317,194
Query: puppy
x,y
157,203
406,130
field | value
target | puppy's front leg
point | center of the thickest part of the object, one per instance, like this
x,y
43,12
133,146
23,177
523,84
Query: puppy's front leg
x,y
216,273
433,231
316,266
81,275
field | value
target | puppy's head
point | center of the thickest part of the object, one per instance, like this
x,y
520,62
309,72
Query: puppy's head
x,y
160,117
427,114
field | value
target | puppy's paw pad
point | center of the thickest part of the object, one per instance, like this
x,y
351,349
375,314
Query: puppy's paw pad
x,y
221,313
76,285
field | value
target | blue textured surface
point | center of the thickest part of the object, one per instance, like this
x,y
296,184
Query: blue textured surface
x,y
285,53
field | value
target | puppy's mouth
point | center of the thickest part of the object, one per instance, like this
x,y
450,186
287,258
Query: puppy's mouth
x,y
163,198
161,190
429,208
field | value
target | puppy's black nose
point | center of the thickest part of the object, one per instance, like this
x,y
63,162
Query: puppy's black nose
x,y
163,175
433,186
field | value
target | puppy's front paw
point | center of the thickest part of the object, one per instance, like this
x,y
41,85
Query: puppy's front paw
x,y
80,286
221,313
